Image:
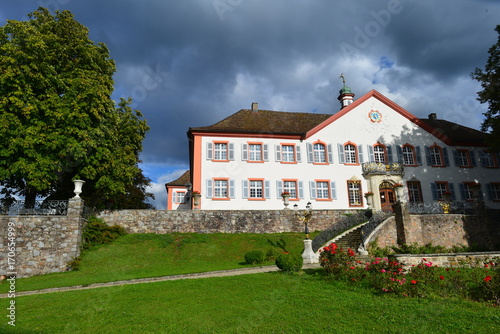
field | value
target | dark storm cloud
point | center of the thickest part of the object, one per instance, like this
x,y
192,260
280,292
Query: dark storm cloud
x,y
191,63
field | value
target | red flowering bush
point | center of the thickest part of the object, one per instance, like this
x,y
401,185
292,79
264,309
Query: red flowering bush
x,y
341,263
491,283
422,280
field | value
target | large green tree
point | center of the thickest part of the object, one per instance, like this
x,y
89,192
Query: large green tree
x,y
489,77
57,119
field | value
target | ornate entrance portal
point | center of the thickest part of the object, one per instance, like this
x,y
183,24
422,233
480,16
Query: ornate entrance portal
x,y
382,178
387,196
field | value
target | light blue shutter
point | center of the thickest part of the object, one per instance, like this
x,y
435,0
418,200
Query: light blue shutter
x,y
446,158
279,188
340,148
330,154
267,189
278,152
361,155
455,158
210,151
371,156
333,190
245,188
451,186
265,153
489,190
312,187
434,191
244,152
482,157
473,158
298,154
310,156
301,190
418,153
461,188
480,193
209,189
231,151
428,155
399,152
231,189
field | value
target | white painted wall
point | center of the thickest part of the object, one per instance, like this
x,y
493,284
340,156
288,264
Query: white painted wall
x,y
356,127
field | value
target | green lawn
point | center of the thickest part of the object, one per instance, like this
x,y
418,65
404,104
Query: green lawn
x,y
149,255
259,303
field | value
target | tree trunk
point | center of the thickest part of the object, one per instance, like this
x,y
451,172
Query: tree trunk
x,y
30,198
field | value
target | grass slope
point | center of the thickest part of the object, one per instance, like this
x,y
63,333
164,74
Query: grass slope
x,y
260,303
149,255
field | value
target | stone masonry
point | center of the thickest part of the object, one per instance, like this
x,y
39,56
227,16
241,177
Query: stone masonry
x,y
43,244
218,221
440,229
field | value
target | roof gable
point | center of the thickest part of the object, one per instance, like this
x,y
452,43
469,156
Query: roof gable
x,y
181,181
450,133
264,123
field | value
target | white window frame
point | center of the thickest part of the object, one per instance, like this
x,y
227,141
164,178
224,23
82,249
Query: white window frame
x,y
220,151
436,156
221,189
255,189
319,150
350,154
379,154
408,155
354,192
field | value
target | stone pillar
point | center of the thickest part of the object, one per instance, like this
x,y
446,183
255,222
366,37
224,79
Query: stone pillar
x,y
75,216
402,217
309,256
75,207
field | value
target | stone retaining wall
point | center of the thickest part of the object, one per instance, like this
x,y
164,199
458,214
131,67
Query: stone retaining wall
x,y
218,221
442,229
447,260
40,244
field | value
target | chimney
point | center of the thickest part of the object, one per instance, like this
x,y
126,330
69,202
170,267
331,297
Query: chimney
x,y
433,116
255,106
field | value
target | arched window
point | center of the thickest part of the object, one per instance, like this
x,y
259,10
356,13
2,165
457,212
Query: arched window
x,y
408,155
319,153
379,154
436,155
350,154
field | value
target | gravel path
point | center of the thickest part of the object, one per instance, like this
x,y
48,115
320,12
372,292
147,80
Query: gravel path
x,y
219,273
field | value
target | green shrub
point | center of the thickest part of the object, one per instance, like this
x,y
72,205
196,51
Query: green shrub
x,y
429,248
289,262
254,257
281,243
271,254
97,232
74,264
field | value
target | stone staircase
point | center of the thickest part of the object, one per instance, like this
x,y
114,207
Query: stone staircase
x,y
350,240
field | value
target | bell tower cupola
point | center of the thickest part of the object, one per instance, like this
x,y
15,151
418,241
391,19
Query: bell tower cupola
x,y
346,97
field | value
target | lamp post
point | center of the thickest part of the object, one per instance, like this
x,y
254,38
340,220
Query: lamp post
x,y
309,256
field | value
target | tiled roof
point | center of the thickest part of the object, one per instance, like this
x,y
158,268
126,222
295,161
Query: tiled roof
x,y
257,122
458,135
182,180
266,122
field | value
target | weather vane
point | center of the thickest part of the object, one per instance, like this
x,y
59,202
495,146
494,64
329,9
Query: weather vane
x,y
342,77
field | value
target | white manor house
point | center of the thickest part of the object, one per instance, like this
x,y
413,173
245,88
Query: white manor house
x,y
371,153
